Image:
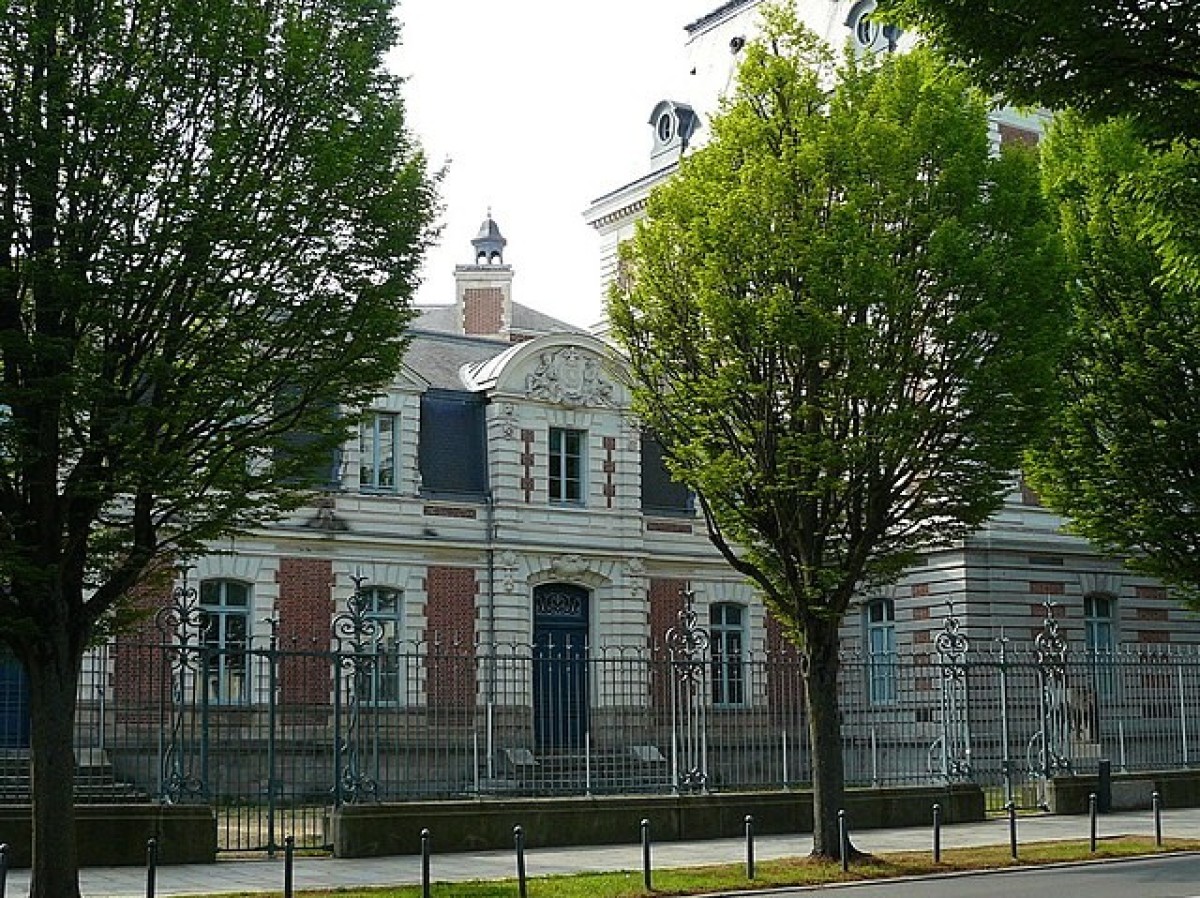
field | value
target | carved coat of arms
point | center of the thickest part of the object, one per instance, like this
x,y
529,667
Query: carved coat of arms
x,y
569,377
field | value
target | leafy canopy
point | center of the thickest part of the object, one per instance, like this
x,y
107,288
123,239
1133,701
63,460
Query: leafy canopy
x,y
213,217
842,318
1103,57
1122,458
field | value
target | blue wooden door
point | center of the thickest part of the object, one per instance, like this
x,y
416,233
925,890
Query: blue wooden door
x,y
560,671
14,703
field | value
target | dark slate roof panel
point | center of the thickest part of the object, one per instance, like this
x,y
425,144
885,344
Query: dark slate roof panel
x,y
453,445
438,357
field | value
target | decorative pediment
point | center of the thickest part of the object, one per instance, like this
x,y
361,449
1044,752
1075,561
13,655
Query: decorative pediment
x,y
569,376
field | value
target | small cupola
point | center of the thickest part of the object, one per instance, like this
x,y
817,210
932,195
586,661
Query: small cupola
x,y
489,243
484,290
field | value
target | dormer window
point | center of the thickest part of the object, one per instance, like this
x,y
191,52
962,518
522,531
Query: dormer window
x,y
666,127
867,32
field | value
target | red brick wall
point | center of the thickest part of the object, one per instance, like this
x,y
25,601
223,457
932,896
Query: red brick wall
x,y
785,684
305,612
141,675
666,601
483,310
450,632
1013,134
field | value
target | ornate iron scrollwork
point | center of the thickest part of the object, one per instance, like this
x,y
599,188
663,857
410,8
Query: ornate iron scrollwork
x,y
954,752
1050,651
182,624
357,635
687,645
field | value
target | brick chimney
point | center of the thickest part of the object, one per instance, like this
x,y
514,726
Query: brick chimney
x,y
483,291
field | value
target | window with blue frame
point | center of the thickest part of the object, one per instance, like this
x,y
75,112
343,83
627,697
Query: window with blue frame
x,y
378,455
880,622
727,640
226,607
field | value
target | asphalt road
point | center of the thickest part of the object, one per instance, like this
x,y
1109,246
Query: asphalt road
x,y
1175,876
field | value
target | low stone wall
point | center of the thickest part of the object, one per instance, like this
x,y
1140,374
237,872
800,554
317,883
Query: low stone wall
x,y
386,829
1130,791
116,834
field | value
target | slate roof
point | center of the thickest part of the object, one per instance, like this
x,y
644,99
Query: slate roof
x,y
438,356
438,348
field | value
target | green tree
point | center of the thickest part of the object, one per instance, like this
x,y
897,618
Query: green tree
x,y
1122,458
1103,57
213,217
841,325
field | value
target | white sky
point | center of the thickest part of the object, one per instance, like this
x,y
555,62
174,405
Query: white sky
x,y
538,108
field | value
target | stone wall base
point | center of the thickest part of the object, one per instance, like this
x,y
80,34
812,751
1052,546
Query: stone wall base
x,y
111,835
1130,791
376,830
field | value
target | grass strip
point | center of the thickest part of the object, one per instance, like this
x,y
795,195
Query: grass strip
x,y
799,871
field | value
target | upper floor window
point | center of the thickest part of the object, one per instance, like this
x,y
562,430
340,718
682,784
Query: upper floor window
x,y
727,639
378,458
880,620
567,465
226,606
383,607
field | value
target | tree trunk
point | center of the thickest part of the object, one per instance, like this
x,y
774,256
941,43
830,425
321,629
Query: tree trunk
x,y
53,686
825,737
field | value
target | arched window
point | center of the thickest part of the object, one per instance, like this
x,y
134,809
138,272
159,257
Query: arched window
x,y
727,640
226,606
879,618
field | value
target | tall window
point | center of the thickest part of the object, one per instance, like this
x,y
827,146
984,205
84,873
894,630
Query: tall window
x,y
384,608
226,605
726,631
880,617
566,465
1099,639
377,456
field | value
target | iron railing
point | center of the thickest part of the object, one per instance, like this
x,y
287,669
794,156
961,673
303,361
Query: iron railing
x,y
273,734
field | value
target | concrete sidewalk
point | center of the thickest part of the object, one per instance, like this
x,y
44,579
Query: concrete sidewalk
x,y
266,875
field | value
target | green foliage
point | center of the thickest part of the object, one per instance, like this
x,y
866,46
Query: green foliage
x,y
213,218
843,317
1104,57
1122,462
730,879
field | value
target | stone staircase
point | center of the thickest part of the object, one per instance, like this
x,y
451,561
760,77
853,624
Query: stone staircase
x,y
639,768
95,780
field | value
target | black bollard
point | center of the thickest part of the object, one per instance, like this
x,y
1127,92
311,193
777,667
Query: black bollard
x,y
289,860
646,854
749,848
843,841
937,833
3,868
425,845
1012,829
1156,802
519,842
1092,806
151,866
1104,786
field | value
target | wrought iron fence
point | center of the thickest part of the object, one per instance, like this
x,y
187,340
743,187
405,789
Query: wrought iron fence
x,y
273,733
